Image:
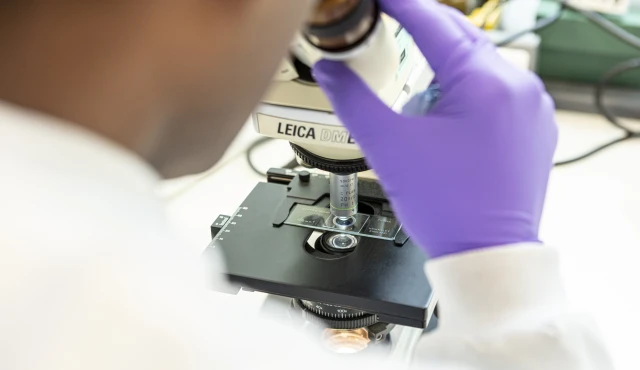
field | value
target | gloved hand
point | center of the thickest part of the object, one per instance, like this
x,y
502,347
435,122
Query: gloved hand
x,y
473,171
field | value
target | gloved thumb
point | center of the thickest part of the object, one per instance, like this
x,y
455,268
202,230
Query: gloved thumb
x,y
358,108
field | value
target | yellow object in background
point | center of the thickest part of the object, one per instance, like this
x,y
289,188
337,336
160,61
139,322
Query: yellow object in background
x,y
487,16
461,5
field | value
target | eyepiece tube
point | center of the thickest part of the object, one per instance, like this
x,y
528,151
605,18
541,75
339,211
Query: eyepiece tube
x,y
354,32
341,24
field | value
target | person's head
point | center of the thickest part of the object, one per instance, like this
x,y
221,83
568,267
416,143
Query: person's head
x,y
172,79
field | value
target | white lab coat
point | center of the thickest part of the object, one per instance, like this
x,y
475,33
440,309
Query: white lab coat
x,y
93,277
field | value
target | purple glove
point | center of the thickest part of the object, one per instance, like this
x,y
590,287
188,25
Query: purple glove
x,y
473,172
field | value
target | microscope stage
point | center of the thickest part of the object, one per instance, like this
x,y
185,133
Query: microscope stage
x,y
263,253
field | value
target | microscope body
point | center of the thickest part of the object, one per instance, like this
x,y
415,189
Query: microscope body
x,y
329,241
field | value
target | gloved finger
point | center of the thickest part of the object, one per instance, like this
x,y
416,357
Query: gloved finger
x,y
473,32
359,109
437,35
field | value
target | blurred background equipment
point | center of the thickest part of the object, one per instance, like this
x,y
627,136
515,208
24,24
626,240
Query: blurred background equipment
x,y
603,6
577,50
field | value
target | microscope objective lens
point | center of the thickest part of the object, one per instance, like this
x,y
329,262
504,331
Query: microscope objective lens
x,y
344,221
343,197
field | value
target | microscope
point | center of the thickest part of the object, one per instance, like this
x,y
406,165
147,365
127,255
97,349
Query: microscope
x,y
328,240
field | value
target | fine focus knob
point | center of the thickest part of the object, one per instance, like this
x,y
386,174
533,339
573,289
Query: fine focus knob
x,y
334,317
304,176
331,311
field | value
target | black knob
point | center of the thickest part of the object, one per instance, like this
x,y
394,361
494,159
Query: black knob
x,y
329,165
334,317
305,176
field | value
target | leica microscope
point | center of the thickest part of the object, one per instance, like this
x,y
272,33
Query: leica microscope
x,y
329,241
